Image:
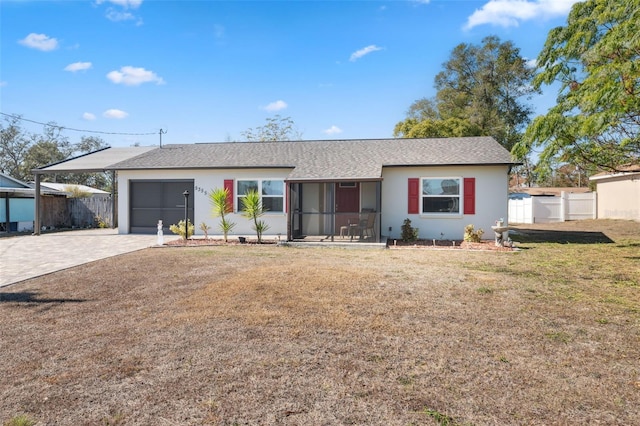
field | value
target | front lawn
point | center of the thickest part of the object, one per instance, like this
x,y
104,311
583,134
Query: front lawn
x,y
279,335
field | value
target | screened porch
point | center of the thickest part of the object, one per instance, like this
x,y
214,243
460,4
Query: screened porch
x,y
340,211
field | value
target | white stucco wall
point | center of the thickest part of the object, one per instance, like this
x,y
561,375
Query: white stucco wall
x,y
619,198
491,201
204,182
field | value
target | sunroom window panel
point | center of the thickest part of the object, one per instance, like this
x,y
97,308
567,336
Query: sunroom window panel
x,y
245,186
440,187
272,204
441,205
272,187
441,195
271,193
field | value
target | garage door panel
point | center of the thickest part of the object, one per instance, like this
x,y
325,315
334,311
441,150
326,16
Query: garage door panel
x,y
172,193
151,201
147,195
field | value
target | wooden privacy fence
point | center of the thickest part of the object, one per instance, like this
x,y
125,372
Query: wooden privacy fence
x,y
60,212
568,206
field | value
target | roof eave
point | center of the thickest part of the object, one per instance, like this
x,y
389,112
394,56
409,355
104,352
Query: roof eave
x,y
452,164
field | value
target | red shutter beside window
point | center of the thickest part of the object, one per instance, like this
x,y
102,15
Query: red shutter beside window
x,y
469,195
286,197
228,185
414,196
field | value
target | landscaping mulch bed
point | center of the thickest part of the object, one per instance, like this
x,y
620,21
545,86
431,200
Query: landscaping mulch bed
x,y
484,245
195,242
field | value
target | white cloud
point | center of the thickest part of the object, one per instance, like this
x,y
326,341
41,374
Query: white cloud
x,y
116,15
90,117
133,4
3,83
275,106
39,41
115,113
509,13
78,66
364,51
333,130
131,76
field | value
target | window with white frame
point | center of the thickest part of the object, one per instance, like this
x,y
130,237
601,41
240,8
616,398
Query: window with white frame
x,y
441,195
271,193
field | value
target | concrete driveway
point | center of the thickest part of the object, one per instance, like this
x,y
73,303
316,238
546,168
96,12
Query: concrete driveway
x,y
28,256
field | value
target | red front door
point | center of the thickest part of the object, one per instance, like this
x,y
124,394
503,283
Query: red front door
x,y
347,203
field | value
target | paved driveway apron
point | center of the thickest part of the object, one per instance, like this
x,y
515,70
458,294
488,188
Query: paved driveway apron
x,y
24,257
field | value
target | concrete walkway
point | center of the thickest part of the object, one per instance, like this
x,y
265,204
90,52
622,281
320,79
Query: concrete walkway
x,y
28,256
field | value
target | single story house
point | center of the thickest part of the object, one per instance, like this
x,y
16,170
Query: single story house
x,y
619,193
313,188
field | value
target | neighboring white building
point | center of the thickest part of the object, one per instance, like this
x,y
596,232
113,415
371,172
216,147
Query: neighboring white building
x,y
315,188
619,193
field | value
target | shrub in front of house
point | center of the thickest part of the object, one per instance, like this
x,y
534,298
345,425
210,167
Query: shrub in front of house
x,y
471,235
409,233
179,229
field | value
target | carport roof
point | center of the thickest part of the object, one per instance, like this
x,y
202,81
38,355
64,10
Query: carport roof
x,y
97,161
323,160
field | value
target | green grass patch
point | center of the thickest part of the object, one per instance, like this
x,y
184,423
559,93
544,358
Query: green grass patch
x,y
20,420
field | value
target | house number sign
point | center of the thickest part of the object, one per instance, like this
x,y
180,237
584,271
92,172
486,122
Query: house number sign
x,y
201,190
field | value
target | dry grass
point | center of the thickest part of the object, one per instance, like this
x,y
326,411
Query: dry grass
x,y
277,335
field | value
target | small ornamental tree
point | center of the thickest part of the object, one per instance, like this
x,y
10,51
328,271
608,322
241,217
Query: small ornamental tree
x,y
409,233
219,198
252,209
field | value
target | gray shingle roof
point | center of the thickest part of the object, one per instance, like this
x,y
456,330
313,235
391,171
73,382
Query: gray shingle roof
x,y
320,160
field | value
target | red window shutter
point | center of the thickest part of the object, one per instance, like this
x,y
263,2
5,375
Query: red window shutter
x,y
469,195
414,196
286,197
228,185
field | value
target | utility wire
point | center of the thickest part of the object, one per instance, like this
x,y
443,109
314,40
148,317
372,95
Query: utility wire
x,y
17,117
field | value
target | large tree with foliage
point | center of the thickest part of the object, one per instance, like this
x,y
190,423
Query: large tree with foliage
x,y
14,145
21,152
481,91
595,59
276,129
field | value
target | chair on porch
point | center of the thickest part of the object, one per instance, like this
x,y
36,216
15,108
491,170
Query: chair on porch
x,y
365,226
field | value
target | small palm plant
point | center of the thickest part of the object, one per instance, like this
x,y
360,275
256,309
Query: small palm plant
x,y
253,210
219,200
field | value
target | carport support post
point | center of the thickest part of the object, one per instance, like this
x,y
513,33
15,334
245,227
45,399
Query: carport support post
x,y
7,219
36,215
113,199
186,214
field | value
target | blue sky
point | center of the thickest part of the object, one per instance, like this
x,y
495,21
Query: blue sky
x,y
206,71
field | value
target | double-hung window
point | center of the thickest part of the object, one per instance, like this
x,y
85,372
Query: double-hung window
x,y
271,193
441,195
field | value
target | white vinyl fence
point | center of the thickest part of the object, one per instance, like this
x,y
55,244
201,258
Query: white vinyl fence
x,y
568,206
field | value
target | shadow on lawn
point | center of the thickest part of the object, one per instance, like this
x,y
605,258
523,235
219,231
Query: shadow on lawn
x,y
559,237
31,297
